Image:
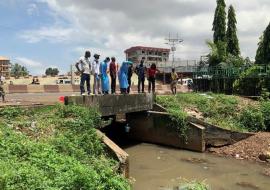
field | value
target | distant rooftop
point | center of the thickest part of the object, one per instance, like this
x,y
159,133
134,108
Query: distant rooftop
x,y
135,48
3,58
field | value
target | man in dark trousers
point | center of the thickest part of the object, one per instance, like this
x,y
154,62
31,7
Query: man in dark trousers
x,y
2,92
84,67
140,71
130,72
113,74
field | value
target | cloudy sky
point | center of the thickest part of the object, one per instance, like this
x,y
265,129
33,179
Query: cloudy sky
x,y
43,33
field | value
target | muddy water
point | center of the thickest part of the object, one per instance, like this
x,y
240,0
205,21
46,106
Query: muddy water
x,y
157,168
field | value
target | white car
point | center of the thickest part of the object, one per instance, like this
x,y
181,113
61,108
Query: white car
x,y
186,81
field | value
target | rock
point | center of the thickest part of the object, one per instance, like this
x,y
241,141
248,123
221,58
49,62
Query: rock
x,y
266,172
265,156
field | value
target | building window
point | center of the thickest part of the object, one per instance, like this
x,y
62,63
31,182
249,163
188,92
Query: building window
x,y
143,52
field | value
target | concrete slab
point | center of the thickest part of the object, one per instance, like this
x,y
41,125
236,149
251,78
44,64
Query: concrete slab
x,y
109,105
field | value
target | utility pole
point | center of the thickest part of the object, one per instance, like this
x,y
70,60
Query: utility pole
x,y
173,42
72,74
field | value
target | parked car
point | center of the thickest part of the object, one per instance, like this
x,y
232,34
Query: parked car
x,y
186,81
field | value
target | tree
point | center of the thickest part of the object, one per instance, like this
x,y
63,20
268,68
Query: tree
x,y
51,71
17,70
219,24
232,39
217,53
263,51
259,53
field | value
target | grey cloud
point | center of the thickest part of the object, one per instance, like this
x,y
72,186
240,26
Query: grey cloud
x,y
122,23
143,9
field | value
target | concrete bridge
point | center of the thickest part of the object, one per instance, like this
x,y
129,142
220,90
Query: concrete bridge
x,y
150,122
110,105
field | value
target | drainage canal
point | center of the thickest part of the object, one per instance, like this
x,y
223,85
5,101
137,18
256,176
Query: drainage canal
x,y
163,168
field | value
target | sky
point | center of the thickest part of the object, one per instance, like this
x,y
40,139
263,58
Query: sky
x,y
55,33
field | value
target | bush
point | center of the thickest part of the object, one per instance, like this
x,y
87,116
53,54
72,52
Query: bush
x,y
252,119
194,185
265,109
71,157
10,112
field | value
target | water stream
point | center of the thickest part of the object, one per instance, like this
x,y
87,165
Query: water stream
x,y
158,168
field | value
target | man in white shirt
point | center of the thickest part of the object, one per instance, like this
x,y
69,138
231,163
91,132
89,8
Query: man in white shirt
x,y
96,73
84,67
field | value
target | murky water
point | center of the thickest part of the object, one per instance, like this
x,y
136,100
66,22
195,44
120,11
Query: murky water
x,y
156,168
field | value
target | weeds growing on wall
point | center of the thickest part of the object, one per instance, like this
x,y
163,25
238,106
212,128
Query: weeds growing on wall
x,y
229,112
177,115
54,148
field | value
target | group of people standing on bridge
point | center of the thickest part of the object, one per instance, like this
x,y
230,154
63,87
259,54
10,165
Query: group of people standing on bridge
x,y
102,69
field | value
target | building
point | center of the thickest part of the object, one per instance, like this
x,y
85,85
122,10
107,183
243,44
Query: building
x,y
159,56
4,67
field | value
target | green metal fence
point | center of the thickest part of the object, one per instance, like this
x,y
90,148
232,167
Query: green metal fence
x,y
221,79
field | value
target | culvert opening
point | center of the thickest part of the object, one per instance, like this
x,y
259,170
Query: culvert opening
x,y
118,133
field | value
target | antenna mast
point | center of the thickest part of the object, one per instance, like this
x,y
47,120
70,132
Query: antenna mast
x,y
173,42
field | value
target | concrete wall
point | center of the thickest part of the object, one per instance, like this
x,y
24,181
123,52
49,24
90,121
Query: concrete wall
x,y
10,89
109,105
117,153
157,128
216,136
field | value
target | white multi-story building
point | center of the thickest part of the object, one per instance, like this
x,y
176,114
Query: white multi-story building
x,y
151,54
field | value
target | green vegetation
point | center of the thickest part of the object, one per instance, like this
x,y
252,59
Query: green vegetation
x,y
54,148
219,23
225,45
253,82
51,71
177,114
232,39
194,185
229,112
18,70
263,51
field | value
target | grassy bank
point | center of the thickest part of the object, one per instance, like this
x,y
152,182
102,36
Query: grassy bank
x,y
230,112
54,148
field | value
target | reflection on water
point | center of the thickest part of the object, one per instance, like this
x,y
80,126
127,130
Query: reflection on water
x,y
156,167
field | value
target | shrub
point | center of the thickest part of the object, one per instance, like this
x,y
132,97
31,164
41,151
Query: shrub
x,y
265,109
194,185
252,119
10,112
71,157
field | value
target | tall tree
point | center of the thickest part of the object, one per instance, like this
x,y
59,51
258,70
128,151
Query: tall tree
x,y
219,24
17,70
51,71
259,53
263,51
232,39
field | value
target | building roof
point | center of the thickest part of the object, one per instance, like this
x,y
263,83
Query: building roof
x,y
135,48
3,58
